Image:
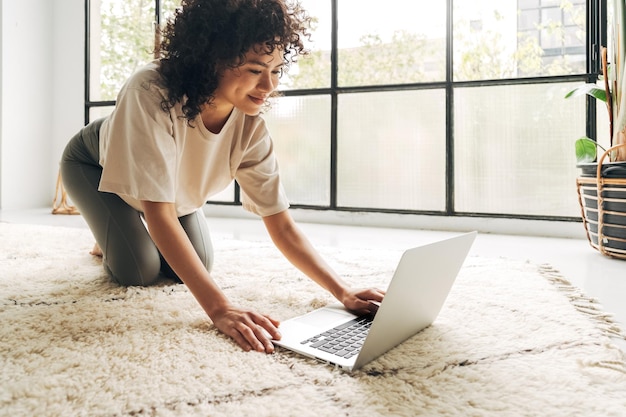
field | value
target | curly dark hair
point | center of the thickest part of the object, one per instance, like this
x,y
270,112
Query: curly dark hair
x,y
205,35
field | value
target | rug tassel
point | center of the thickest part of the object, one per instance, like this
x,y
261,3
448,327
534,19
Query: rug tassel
x,y
611,365
586,305
62,207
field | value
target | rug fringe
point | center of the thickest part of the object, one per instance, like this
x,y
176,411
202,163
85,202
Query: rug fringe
x,y
611,365
589,306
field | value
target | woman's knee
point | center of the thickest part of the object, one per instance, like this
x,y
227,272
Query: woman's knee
x,y
197,230
134,269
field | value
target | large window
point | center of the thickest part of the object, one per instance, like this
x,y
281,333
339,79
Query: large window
x,y
438,107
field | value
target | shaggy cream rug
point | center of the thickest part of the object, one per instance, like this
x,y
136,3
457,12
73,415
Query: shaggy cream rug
x,y
513,339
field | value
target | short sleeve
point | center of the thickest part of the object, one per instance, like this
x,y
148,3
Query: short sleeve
x,y
137,150
259,177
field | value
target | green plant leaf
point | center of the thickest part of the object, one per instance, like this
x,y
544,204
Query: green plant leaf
x,y
590,89
586,150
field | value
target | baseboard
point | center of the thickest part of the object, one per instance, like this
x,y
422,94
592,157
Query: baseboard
x,y
522,227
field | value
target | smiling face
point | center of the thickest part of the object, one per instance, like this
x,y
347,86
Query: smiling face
x,y
248,86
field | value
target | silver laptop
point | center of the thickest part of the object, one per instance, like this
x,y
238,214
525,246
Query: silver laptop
x,y
416,293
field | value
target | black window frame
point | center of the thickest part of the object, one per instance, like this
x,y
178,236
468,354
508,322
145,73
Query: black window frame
x,y
596,37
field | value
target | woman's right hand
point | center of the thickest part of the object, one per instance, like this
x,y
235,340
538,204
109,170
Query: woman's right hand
x,y
251,330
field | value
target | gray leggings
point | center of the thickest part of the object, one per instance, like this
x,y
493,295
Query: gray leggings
x,y
130,255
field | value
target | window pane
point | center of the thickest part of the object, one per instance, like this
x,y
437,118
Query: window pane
x,y
99,112
168,7
510,39
514,149
122,40
393,44
391,150
226,196
300,129
313,71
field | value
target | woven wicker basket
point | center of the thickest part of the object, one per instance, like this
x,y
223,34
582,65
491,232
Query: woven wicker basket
x,y
603,203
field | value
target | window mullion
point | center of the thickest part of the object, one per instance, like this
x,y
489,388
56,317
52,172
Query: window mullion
x,y
449,108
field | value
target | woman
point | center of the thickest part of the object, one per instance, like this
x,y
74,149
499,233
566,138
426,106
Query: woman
x,y
183,128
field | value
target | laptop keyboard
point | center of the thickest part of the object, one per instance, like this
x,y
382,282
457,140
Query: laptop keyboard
x,y
344,340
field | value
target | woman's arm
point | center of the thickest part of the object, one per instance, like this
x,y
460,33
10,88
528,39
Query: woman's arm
x,y
298,250
247,328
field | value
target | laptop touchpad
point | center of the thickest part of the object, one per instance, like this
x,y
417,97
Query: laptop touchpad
x,y
323,317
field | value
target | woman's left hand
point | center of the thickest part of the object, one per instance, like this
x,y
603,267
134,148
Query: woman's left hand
x,y
360,300
298,250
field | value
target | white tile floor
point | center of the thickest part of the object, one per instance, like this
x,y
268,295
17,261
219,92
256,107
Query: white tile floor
x,y
598,276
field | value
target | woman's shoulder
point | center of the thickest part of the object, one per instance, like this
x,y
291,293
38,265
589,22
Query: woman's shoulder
x,y
141,97
254,125
146,78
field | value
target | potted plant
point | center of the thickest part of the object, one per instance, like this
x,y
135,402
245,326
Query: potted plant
x,y
602,184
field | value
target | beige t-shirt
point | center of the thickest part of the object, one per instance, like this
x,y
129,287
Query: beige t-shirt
x,y
149,154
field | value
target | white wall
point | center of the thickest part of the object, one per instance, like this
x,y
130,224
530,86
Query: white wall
x,y
41,106
68,70
1,117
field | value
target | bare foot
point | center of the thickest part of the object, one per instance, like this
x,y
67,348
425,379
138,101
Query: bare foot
x,y
96,251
